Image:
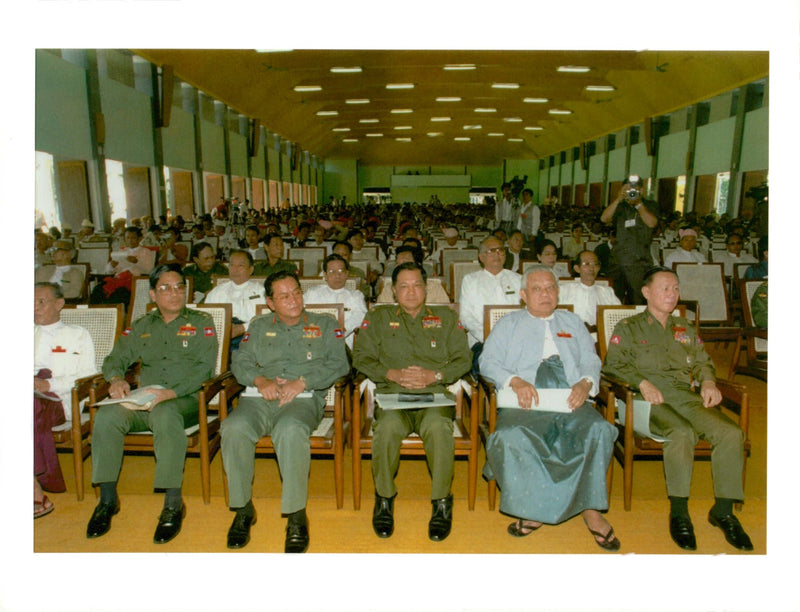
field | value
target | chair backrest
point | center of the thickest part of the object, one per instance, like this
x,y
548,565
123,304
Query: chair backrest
x,y
298,263
492,313
448,256
609,315
561,268
140,296
461,243
458,270
747,289
311,256
46,271
705,284
104,322
222,315
306,282
334,310
95,256
368,251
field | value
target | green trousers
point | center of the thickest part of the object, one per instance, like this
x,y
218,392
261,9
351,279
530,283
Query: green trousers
x,y
290,427
167,421
434,426
683,420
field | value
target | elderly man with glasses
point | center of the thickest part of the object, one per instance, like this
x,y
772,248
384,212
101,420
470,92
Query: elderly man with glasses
x,y
177,348
584,293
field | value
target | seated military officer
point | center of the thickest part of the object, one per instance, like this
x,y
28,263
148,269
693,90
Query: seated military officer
x,y
663,357
287,360
412,348
177,348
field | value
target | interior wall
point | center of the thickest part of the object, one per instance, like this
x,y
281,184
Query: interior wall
x,y
128,119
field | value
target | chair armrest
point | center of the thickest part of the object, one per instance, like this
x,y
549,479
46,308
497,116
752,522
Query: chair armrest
x,y
736,399
755,332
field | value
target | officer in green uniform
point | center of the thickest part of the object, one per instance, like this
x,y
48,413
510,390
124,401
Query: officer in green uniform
x,y
177,348
662,356
203,268
758,306
413,348
287,360
273,244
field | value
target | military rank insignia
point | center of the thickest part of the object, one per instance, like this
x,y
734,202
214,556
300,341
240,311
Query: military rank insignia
x,y
394,324
312,331
431,322
679,334
208,331
187,330
338,333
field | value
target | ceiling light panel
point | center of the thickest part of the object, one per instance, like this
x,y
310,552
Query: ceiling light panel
x,y
448,99
400,86
304,88
576,69
505,85
345,69
460,66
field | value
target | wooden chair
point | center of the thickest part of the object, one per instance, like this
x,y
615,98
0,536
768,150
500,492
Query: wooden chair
x,y
753,339
333,432
368,251
312,257
705,284
465,429
630,444
140,296
448,256
104,323
458,270
561,268
47,270
95,255
203,438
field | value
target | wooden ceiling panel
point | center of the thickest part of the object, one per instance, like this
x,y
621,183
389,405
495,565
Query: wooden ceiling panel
x,y
648,83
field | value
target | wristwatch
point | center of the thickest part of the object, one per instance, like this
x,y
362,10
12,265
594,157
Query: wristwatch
x,y
438,376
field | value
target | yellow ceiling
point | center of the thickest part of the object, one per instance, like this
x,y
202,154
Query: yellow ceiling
x,y
647,84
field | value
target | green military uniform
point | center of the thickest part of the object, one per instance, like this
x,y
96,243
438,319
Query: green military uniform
x,y
178,355
202,280
263,268
314,348
390,338
758,306
671,358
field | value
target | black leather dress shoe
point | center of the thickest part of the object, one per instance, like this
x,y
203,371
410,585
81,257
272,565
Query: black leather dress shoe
x,y
682,532
239,533
169,524
733,530
296,538
441,518
100,522
383,516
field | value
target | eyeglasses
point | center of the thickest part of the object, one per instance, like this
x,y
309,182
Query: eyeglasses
x,y
590,264
342,271
178,288
494,250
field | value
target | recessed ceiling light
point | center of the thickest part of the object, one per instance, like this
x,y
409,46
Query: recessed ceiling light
x,y
349,139
357,101
448,99
599,88
472,127
341,129
495,134
533,128
273,50
402,127
559,111
345,69
459,66
573,69
368,120
401,111
515,140
404,139
400,86
440,118
535,100
374,135
327,113
505,85
433,134
307,88
485,110
512,119
461,138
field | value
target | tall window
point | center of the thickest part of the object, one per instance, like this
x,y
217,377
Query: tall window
x,y
721,192
46,198
115,177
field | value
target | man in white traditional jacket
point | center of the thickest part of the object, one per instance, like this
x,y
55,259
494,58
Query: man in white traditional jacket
x,y
584,293
336,270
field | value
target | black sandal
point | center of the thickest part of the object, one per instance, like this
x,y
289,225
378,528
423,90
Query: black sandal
x,y
519,530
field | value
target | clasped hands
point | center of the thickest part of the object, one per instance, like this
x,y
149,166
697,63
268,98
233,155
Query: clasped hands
x,y
279,388
708,391
527,395
412,377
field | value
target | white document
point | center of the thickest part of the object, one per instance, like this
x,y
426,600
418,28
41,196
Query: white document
x,y
253,392
390,401
138,399
641,418
550,400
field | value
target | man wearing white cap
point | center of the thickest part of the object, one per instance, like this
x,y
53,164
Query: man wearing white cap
x,y
450,242
686,249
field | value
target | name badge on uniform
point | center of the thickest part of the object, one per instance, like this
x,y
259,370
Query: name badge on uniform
x,y
269,334
563,334
312,331
59,349
630,222
394,324
145,335
431,322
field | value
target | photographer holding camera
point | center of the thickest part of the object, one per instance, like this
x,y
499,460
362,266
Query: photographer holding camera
x,y
634,219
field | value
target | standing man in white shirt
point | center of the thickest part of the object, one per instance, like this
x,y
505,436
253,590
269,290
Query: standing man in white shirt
x,y
584,293
507,210
529,218
492,285
335,270
243,293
